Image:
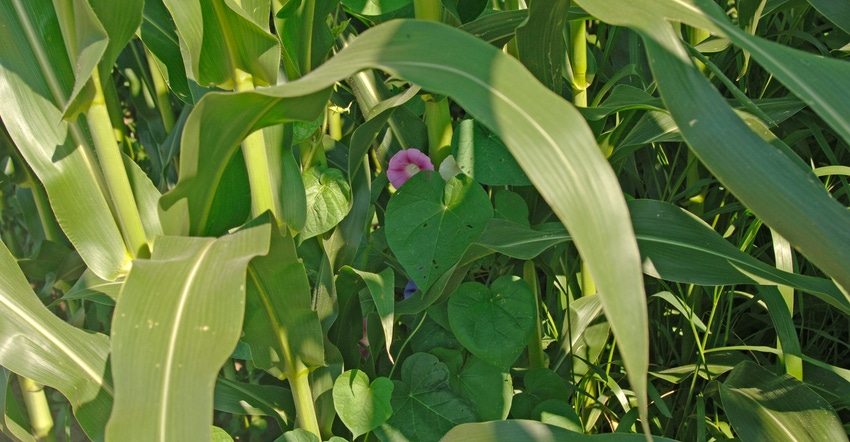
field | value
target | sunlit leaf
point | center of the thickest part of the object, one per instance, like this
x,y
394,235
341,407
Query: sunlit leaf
x,y
168,344
210,142
41,347
34,96
328,200
362,406
219,39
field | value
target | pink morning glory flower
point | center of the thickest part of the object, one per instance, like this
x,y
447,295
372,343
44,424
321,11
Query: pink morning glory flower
x,y
405,164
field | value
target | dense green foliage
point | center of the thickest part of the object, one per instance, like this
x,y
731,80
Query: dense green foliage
x,y
628,221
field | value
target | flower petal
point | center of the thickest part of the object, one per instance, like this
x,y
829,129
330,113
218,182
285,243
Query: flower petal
x,y
398,173
410,289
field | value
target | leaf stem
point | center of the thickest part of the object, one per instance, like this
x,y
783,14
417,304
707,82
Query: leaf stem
x,y
428,10
41,421
112,165
52,231
263,188
334,122
161,92
511,47
308,12
578,61
305,410
438,120
536,357
406,341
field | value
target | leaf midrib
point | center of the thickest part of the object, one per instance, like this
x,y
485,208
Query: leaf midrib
x,y
185,292
56,340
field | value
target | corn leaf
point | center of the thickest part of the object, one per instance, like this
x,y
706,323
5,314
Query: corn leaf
x,y
168,344
799,208
40,346
36,80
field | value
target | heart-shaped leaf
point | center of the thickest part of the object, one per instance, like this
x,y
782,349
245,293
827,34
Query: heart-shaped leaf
x,y
494,324
424,408
441,218
541,384
362,407
328,200
482,155
511,206
487,387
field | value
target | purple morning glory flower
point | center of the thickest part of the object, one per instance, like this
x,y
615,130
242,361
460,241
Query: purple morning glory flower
x,y
405,164
410,289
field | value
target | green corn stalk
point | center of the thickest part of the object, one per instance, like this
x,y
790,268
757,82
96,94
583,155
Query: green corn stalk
x,y
112,166
437,115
